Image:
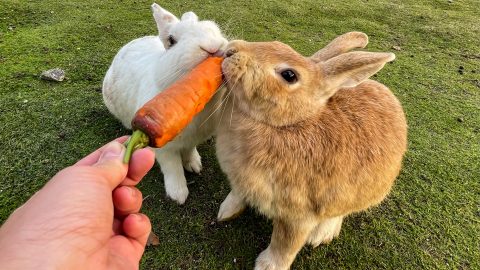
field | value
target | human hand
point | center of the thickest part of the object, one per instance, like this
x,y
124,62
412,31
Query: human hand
x,y
85,217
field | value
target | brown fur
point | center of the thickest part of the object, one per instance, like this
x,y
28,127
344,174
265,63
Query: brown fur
x,y
341,44
305,153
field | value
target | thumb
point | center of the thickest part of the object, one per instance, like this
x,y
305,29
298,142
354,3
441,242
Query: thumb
x,y
110,163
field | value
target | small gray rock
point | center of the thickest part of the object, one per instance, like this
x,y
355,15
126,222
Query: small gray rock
x,y
55,74
396,48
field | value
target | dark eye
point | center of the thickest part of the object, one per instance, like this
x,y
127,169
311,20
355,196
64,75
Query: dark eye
x,y
289,76
171,40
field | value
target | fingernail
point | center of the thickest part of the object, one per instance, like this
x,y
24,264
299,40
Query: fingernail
x,y
138,217
132,192
113,150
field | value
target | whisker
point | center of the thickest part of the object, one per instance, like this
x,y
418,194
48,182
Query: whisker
x,y
224,107
224,83
231,113
176,74
226,29
216,109
233,105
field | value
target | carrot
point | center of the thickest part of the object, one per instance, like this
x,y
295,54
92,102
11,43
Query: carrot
x,y
169,112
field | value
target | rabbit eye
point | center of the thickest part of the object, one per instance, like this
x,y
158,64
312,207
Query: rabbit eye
x,y
171,40
289,76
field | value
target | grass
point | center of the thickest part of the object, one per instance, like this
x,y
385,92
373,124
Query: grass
x,y
432,217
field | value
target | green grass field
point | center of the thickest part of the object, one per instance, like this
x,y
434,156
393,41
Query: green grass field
x,y
431,220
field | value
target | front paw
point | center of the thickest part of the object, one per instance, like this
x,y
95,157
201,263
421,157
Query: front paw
x,y
267,261
193,162
231,207
176,188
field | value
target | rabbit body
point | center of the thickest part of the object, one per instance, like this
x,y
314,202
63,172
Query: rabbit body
x,y
343,160
146,66
305,167
133,78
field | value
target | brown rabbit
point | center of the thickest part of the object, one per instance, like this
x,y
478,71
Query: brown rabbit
x,y
309,140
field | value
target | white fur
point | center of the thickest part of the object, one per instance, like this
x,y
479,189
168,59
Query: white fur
x,y
232,206
267,260
273,259
325,231
146,66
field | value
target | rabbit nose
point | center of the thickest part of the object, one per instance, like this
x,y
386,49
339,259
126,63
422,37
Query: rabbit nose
x,y
213,51
230,52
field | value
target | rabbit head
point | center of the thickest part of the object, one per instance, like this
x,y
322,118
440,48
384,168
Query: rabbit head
x,y
189,39
276,85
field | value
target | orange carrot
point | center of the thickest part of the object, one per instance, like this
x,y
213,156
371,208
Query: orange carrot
x,y
169,112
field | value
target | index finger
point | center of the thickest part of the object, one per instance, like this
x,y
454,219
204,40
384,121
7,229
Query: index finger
x,y
141,162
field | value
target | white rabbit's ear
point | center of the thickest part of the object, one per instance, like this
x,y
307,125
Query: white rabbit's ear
x,y
163,18
350,69
341,44
189,16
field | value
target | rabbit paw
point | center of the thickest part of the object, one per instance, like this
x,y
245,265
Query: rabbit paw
x,y
267,261
231,207
192,162
176,189
325,231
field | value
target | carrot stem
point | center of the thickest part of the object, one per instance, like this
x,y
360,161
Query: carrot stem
x,y
136,141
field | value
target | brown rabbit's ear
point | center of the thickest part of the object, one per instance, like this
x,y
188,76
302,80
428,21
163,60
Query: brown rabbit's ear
x,y
341,44
350,69
163,18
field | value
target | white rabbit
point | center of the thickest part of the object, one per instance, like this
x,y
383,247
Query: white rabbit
x,y
146,66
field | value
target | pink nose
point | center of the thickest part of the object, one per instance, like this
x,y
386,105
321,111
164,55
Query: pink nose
x,y
218,53
212,50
